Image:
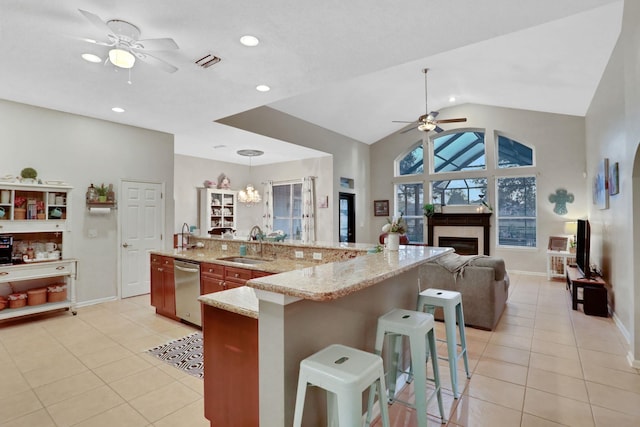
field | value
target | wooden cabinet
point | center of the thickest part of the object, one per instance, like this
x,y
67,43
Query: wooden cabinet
x,y
39,207
163,289
231,362
217,210
211,278
235,277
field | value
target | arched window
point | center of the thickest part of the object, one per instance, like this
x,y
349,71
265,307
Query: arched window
x,y
461,151
413,162
512,154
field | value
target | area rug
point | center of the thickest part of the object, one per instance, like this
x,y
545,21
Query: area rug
x,y
184,353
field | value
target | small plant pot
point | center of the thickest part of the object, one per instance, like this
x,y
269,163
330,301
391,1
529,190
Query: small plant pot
x,y
102,199
40,216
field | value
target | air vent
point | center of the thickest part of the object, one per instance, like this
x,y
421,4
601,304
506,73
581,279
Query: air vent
x,y
207,61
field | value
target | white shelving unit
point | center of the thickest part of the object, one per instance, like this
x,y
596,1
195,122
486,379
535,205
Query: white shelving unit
x,y
217,209
46,218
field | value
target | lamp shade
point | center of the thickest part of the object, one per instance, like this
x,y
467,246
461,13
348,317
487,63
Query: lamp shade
x,y
121,58
571,227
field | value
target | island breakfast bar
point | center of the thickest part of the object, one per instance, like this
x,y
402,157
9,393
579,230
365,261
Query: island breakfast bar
x,y
305,310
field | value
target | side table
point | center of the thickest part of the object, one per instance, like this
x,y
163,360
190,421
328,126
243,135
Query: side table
x,y
594,293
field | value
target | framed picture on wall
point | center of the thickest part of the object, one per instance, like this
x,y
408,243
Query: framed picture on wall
x,y
381,207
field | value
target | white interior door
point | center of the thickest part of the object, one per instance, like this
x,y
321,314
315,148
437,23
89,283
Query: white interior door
x,y
141,211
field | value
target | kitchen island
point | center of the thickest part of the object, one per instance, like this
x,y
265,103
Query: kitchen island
x,y
304,310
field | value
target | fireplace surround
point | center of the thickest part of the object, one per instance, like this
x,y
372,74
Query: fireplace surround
x,y
468,220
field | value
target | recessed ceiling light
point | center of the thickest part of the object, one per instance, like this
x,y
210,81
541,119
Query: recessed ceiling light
x,y
249,41
90,57
263,88
452,99
117,110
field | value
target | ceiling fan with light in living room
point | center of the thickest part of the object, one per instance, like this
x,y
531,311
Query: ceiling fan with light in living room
x,y
428,122
126,45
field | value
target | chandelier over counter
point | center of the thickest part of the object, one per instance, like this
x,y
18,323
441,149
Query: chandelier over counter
x,y
249,196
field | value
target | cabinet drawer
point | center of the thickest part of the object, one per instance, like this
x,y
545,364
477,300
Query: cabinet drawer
x,y
260,274
237,274
212,270
35,271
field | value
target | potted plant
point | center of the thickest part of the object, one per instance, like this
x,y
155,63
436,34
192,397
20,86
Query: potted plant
x,y
28,175
102,193
429,209
394,228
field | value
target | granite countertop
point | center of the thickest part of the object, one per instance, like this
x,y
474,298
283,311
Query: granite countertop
x,y
271,265
337,279
240,300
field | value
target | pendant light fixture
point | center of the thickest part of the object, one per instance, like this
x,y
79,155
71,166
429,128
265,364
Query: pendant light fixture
x,y
249,196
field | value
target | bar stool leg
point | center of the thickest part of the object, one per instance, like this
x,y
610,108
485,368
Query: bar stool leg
x,y
452,348
418,350
300,395
352,416
431,337
463,339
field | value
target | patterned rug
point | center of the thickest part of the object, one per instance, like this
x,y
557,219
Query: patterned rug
x,y
184,353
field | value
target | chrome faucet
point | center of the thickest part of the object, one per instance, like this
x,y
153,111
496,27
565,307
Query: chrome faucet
x,y
258,236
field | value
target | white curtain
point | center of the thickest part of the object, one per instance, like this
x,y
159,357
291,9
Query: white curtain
x,y
308,210
267,215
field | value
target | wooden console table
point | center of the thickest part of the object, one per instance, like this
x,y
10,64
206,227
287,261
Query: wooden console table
x,y
594,293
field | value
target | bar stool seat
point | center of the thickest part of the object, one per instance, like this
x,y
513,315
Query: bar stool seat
x,y
344,372
418,327
451,303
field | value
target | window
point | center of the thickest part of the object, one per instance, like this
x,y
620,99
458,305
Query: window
x,y
413,162
462,151
458,191
409,202
516,211
512,154
287,209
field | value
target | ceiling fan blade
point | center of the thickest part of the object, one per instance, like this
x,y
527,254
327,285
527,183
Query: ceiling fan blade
x,y
97,22
451,120
438,129
402,121
434,114
156,62
158,44
92,41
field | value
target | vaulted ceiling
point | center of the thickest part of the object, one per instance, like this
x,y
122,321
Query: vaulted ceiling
x,y
349,66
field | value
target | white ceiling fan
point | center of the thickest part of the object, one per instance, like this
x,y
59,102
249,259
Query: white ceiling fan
x,y
427,122
124,39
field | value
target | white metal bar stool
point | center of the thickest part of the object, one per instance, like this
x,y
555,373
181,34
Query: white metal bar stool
x,y
418,327
344,372
451,303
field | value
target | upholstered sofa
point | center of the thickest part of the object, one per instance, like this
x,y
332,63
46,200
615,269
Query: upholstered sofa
x,y
482,280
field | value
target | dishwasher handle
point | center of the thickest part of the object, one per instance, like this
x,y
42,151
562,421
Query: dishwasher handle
x,y
187,270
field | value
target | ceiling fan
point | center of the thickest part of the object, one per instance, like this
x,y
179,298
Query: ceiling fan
x,y
427,122
126,45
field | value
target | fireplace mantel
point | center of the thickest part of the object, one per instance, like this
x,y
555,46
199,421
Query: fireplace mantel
x,y
460,220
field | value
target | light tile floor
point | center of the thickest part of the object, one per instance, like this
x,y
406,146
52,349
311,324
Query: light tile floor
x,y
92,370
544,365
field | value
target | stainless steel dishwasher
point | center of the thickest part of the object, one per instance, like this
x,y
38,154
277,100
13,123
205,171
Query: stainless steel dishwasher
x,y
187,278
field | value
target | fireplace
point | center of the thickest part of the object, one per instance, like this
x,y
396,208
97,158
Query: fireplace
x,y
462,245
458,231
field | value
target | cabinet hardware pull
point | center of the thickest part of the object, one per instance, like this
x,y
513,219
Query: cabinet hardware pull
x,y
4,273
60,267
237,275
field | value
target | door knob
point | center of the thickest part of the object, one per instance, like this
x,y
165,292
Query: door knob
x,y
125,245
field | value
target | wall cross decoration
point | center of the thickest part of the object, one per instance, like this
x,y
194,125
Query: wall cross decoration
x,y
561,198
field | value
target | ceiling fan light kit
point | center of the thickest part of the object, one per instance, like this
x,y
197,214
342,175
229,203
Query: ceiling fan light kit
x,y
122,58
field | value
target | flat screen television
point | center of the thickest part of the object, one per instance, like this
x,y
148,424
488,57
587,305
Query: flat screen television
x,y
583,241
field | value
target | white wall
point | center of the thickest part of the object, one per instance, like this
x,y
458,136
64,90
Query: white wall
x,y
613,131
558,142
190,173
350,159
81,151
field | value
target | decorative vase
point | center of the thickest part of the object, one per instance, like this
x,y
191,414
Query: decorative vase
x,y
393,241
20,213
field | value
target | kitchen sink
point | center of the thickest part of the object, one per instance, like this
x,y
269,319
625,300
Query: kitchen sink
x,y
243,260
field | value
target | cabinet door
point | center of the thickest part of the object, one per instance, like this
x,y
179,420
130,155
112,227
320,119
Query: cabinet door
x,y
209,285
168,286
157,293
256,273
